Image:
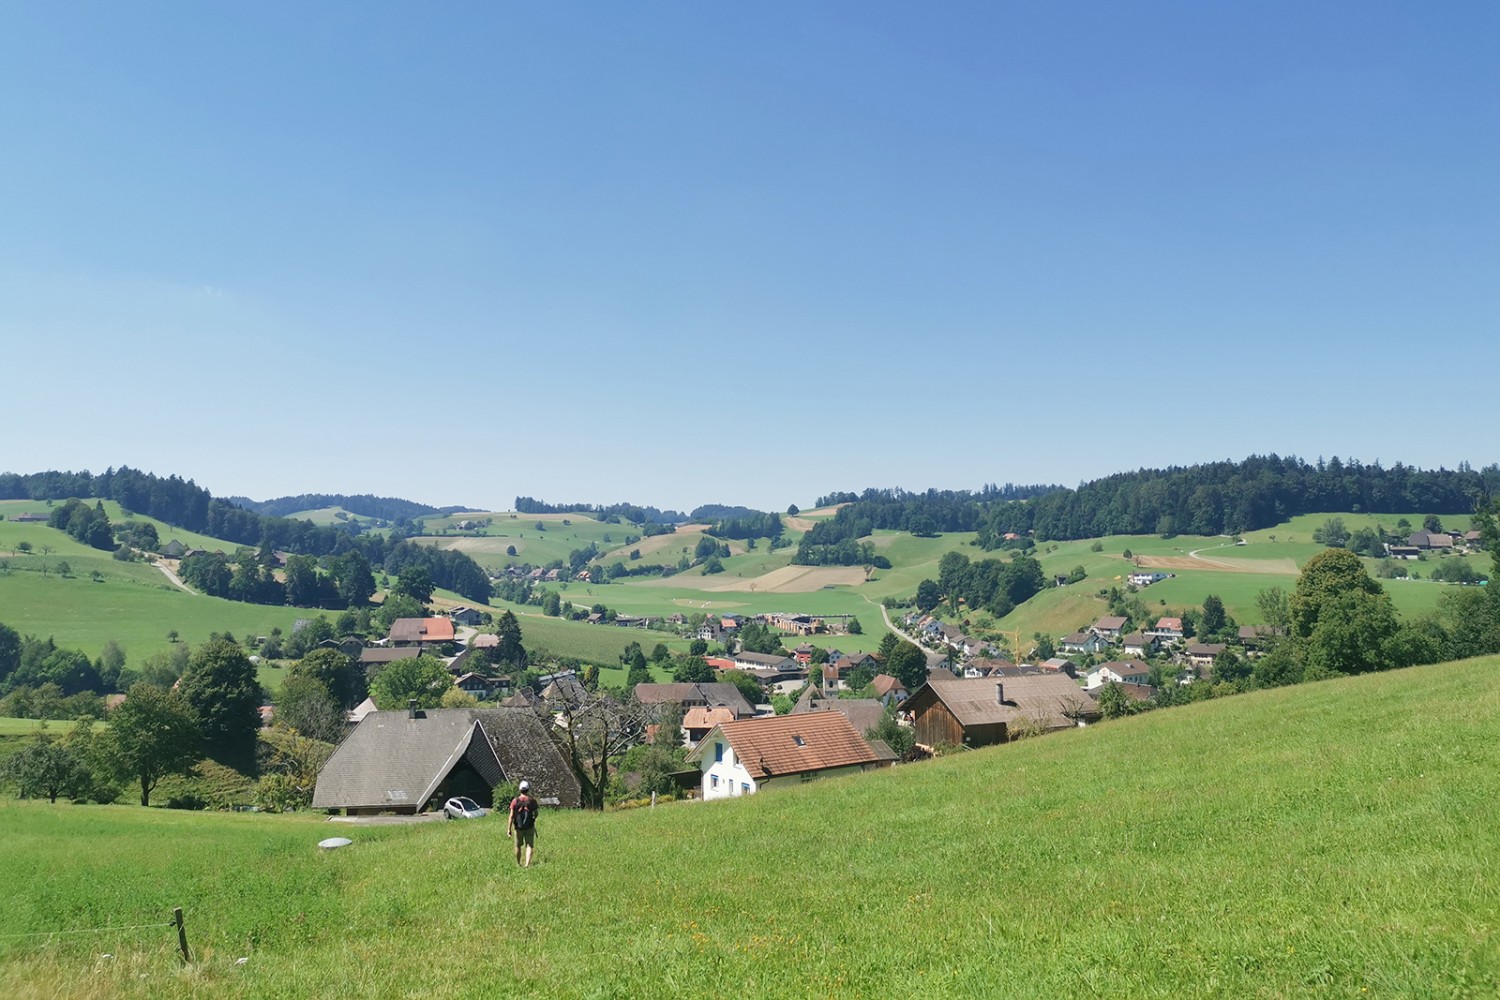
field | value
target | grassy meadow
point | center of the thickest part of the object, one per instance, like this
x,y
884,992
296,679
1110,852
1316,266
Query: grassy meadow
x,y
1248,847
135,604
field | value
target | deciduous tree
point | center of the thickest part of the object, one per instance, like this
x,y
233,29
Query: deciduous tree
x,y
151,734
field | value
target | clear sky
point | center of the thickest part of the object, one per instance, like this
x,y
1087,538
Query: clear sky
x,y
678,253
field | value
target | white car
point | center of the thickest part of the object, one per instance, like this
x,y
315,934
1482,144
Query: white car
x,y
463,807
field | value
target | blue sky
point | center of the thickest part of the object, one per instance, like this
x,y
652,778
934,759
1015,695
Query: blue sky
x,y
678,253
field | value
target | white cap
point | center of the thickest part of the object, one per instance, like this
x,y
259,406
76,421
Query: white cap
x,y
525,786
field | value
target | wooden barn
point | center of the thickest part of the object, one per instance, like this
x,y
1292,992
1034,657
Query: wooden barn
x,y
982,711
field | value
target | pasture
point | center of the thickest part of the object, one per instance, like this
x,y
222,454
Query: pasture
x,y
1207,859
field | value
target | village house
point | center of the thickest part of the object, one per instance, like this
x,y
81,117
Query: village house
x,y
1202,654
420,632
701,695
1117,672
1253,637
1137,644
381,655
464,615
699,721
1081,642
404,762
888,690
978,713
748,756
1109,628
1059,665
1167,631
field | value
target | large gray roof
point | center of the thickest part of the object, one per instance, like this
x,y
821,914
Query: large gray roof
x,y
393,761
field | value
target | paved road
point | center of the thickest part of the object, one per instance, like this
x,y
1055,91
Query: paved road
x,y
167,570
933,659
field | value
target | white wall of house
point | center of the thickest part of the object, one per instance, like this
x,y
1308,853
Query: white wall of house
x,y
723,775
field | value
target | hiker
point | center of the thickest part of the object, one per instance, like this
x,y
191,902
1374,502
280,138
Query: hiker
x,y
522,825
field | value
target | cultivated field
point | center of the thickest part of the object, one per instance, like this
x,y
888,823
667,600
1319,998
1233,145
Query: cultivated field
x,y
1246,847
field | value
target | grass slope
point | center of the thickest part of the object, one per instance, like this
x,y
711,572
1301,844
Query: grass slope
x,y
1254,846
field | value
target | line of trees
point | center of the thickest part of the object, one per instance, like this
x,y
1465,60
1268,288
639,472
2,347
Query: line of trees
x,y
1233,497
182,503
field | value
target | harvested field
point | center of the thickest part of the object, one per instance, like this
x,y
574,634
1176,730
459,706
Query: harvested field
x,y
1277,567
685,535
791,580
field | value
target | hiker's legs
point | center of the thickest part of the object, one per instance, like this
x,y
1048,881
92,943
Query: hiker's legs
x,y
519,837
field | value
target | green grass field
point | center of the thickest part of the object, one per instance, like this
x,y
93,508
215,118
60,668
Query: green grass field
x,y
1247,847
136,605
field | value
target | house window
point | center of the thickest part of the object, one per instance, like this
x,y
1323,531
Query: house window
x,y
713,781
718,753
799,741
745,787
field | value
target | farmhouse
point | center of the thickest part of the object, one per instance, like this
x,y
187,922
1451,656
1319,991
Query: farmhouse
x,y
745,757
421,632
464,615
1146,577
387,654
403,762
689,696
982,712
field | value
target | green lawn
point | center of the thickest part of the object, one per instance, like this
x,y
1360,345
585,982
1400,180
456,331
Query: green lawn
x,y
1247,847
84,615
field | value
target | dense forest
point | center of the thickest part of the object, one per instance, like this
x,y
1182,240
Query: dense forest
x,y
1211,499
363,505
608,513
184,504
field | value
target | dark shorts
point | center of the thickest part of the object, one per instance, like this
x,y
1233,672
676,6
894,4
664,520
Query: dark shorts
x,y
526,838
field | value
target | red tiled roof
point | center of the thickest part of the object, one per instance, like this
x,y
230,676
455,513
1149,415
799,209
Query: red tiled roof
x,y
422,630
701,717
794,744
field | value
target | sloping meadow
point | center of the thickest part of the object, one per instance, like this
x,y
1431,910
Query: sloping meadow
x,y
1334,839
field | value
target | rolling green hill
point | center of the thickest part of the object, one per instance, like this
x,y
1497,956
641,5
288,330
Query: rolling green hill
x,y
1332,839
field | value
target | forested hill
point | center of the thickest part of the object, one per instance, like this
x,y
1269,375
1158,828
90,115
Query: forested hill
x,y
364,505
182,503
1211,499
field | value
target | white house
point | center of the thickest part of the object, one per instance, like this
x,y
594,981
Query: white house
x,y
741,758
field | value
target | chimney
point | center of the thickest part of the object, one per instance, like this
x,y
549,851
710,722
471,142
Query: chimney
x,y
411,708
1000,692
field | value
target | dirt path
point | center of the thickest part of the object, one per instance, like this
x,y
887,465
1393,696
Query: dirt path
x,y
167,571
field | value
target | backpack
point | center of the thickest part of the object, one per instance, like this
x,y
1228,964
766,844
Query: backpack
x,y
525,812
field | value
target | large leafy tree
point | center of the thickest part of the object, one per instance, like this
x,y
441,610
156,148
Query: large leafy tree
x,y
415,582
45,769
152,734
340,675
1340,618
423,679
221,687
908,664
305,705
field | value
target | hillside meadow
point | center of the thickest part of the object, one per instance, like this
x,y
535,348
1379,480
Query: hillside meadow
x,y
135,605
1333,839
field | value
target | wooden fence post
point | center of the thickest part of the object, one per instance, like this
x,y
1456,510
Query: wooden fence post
x,y
181,934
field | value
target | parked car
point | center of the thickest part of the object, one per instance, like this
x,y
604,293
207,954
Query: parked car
x,y
463,807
